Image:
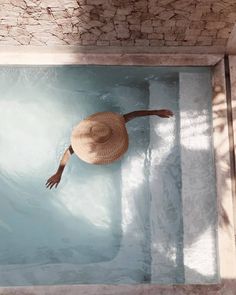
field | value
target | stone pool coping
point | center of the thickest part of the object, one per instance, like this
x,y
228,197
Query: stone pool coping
x,y
225,287
69,55
223,153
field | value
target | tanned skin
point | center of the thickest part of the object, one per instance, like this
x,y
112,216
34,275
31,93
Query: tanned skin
x,y
56,178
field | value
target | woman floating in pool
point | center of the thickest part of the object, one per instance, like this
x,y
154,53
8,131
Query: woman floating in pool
x,y
101,138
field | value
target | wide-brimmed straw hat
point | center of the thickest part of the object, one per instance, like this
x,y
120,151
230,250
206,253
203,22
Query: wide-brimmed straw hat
x,y
101,138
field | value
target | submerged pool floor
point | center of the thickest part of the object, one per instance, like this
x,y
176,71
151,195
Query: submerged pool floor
x,y
150,217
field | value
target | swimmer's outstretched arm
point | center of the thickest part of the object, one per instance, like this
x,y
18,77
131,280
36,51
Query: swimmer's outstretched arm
x,y
55,179
160,113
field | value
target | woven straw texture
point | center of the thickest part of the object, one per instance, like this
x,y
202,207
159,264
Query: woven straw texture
x,y
101,138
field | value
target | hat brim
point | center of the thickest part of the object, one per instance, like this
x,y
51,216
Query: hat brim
x,y
100,153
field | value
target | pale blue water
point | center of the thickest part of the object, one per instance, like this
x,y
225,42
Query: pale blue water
x,y
102,224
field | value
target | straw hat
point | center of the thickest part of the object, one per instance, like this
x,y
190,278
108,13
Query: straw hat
x,y
101,138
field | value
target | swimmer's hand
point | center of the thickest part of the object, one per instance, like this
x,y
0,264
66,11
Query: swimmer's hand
x,y
163,113
54,180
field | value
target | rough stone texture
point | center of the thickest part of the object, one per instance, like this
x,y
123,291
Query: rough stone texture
x,y
227,287
116,22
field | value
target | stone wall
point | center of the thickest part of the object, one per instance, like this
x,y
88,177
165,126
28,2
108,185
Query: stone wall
x,y
116,22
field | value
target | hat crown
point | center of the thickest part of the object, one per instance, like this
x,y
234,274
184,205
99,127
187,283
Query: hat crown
x,y
100,132
101,138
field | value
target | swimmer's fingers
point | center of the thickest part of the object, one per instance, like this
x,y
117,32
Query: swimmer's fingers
x,y
51,184
168,113
165,113
54,180
167,116
49,181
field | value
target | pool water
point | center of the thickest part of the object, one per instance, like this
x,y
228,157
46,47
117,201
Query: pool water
x,y
147,218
